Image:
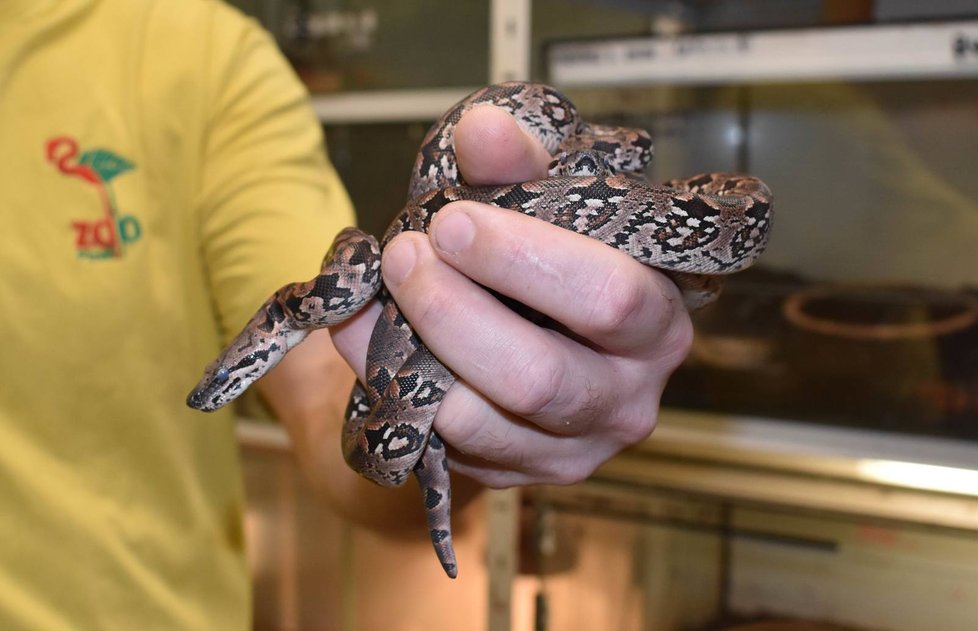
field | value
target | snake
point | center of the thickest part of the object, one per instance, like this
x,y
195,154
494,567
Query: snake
x,y
695,230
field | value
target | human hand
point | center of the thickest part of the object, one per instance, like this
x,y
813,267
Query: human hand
x,y
531,405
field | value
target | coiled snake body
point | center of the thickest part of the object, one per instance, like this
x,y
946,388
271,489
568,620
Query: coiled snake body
x,y
695,230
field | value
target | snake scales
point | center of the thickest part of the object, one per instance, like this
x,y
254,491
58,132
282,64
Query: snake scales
x,y
695,230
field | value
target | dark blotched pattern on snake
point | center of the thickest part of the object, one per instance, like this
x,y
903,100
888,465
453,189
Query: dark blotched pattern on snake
x,y
695,230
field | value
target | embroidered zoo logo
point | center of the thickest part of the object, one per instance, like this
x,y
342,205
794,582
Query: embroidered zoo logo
x,y
109,235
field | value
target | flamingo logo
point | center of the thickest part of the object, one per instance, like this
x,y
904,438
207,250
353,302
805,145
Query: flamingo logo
x,y
107,236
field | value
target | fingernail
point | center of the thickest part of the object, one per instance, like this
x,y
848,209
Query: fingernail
x,y
454,232
398,261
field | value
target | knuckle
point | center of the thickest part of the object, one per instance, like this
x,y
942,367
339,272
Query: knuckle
x,y
494,480
518,256
635,428
618,303
536,385
430,309
679,342
491,444
567,473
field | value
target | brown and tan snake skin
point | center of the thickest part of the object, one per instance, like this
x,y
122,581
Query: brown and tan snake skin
x,y
695,230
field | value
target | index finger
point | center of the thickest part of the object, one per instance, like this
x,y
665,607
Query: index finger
x,y
597,292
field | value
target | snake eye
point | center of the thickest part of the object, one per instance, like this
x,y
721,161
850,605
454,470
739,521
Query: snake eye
x,y
222,375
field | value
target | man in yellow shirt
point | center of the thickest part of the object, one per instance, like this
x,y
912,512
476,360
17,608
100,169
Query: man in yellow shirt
x,y
161,173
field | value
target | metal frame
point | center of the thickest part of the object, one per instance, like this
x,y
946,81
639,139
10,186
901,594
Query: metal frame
x,y
509,60
910,51
893,479
387,106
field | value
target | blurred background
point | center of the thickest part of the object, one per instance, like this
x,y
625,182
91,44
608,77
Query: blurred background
x,y
816,462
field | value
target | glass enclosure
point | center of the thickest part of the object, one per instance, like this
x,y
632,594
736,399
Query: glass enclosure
x,y
856,335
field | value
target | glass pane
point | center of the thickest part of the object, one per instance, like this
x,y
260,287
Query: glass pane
x,y
864,309
636,560
374,162
380,44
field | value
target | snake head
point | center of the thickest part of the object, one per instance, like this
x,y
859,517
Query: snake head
x,y
215,389
246,359
581,162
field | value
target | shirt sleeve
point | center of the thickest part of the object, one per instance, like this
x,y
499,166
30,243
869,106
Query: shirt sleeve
x,y
269,201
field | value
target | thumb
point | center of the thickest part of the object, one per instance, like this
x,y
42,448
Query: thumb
x,y
493,149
